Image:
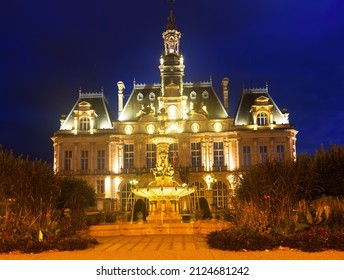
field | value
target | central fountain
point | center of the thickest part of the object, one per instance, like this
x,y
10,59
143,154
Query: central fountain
x,y
163,192
165,196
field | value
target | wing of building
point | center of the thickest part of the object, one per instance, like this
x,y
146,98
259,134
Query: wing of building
x,y
114,154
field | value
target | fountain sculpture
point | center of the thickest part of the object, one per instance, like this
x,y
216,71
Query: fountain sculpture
x,y
163,192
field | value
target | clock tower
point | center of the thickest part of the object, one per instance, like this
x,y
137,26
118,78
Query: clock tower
x,y
171,61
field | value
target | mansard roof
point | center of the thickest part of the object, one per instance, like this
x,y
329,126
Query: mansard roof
x,y
201,94
249,98
98,103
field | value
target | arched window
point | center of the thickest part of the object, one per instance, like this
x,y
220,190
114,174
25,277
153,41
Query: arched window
x,y
127,198
199,192
84,124
220,195
262,118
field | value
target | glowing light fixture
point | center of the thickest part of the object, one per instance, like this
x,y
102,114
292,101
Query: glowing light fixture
x,y
195,127
117,181
150,128
172,111
217,127
209,179
128,129
107,187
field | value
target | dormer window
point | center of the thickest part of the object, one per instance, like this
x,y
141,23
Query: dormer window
x,y
262,118
152,96
139,96
84,124
193,95
205,94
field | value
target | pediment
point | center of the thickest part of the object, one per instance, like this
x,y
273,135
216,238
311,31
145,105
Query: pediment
x,y
262,100
83,105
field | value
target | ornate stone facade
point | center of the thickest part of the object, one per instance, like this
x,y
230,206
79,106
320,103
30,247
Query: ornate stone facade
x,y
116,154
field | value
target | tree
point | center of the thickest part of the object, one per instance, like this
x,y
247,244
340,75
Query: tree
x,y
28,192
329,166
76,195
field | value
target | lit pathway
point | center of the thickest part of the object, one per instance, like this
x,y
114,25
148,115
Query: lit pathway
x,y
167,247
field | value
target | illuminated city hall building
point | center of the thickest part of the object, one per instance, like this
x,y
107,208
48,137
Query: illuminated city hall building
x,y
204,144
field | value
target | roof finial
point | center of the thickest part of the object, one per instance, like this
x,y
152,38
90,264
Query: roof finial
x,y
171,4
171,23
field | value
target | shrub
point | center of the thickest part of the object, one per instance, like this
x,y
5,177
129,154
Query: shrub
x,y
313,240
234,239
69,243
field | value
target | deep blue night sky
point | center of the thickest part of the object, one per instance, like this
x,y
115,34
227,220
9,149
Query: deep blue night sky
x,y
49,49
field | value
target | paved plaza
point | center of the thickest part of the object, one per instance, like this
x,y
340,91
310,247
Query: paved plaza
x,y
167,247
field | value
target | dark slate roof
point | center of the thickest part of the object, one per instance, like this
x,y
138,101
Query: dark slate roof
x,y
243,115
205,95
134,104
99,104
198,93
171,22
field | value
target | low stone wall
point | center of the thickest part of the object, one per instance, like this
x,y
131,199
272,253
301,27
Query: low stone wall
x,y
198,227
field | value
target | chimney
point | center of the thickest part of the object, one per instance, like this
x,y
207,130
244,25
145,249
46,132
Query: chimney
x,y
225,93
121,88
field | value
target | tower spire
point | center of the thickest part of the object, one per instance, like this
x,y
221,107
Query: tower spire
x,y
171,20
171,61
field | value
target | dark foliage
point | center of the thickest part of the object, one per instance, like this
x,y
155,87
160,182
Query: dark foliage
x,y
242,239
69,243
204,206
314,240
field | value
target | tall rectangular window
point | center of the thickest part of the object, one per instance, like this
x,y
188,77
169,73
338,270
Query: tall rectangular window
x,y
150,155
246,151
173,154
129,156
84,160
196,154
280,152
100,186
101,160
218,154
68,155
263,152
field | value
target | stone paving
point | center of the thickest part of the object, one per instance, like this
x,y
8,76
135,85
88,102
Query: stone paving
x,y
168,247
